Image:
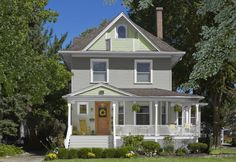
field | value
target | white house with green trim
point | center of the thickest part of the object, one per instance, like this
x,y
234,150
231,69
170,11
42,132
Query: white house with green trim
x,y
122,85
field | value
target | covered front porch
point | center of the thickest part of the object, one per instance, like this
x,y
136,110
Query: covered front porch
x,y
114,116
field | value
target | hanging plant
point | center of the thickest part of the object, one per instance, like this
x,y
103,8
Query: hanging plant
x,y
177,108
193,109
136,107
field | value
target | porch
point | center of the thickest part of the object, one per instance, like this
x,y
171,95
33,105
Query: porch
x,y
111,113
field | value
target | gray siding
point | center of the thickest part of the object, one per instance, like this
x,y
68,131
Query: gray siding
x,y
121,73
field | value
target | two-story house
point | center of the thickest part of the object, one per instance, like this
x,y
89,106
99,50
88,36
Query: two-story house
x,y
122,85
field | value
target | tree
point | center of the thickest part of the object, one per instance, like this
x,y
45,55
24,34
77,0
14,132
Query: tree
x,y
215,58
27,72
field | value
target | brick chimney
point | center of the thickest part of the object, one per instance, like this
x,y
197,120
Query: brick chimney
x,y
159,22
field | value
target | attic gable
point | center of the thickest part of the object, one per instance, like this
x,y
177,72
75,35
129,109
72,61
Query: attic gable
x,y
135,41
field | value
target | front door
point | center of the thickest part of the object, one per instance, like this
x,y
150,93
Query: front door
x,y
102,118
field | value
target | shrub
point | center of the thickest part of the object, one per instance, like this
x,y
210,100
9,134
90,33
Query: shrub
x,y
181,151
198,147
98,152
83,152
63,153
91,155
168,145
133,141
10,150
109,153
51,156
130,155
72,153
121,152
150,147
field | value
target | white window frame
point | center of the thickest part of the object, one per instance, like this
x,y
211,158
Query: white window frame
x,y
126,32
91,70
78,107
135,71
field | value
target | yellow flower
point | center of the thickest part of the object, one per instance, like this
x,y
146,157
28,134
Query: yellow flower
x,y
52,156
91,155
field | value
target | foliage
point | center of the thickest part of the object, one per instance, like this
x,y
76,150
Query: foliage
x,y
133,141
91,155
233,142
51,156
136,107
168,144
83,152
63,153
177,108
150,147
122,152
29,66
181,151
9,150
72,153
109,153
98,152
198,148
75,131
130,155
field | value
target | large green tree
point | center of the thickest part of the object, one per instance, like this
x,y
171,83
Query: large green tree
x,y
28,72
216,58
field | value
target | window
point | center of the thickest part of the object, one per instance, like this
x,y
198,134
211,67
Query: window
x,y
143,116
163,113
99,70
143,71
179,118
82,108
193,115
121,31
121,113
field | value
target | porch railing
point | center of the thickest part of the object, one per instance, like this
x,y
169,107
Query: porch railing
x,y
162,130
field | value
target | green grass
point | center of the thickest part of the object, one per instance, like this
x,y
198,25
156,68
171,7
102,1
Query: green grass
x,y
161,159
222,151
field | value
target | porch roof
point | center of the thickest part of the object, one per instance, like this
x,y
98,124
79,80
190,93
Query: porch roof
x,y
131,94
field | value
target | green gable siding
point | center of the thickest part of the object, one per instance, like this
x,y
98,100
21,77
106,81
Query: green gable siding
x,y
95,92
134,42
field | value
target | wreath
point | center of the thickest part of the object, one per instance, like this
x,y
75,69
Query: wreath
x,y
102,112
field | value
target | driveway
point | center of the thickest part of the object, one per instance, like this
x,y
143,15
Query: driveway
x,y
26,157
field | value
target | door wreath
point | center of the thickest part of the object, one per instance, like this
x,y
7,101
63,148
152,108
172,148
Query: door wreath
x,y
102,112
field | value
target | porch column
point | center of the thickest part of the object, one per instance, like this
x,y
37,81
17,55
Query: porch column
x,y
156,117
69,115
197,114
114,124
189,115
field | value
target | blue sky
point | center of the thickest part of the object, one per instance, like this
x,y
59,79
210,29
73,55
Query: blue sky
x,y
75,16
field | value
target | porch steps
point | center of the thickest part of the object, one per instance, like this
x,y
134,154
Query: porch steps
x,y
90,141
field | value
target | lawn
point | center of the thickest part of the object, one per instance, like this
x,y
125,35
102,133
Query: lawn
x,y
161,159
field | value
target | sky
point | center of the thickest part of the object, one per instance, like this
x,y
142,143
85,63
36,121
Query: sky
x,y
75,16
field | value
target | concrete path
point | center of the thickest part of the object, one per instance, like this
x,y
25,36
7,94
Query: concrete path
x,y
26,157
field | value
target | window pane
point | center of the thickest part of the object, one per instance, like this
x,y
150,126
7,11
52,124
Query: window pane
x,y
143,77
142,119
121,110
121,119
121,32
163,118
143,67
100,76
144,109
99,66
82,109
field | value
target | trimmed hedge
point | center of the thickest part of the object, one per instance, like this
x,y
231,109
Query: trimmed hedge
x,y
9,150
198,148
84,153
150,147
181,151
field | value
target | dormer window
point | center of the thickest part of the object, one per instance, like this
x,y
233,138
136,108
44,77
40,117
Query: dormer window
x,y
122,31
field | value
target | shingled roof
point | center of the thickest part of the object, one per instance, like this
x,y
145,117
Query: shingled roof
x,y
80,43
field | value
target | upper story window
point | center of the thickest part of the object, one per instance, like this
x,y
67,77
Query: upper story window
x,y
99,70
121,31
143,71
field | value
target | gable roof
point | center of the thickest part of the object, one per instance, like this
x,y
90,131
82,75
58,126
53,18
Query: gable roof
x,y
83,44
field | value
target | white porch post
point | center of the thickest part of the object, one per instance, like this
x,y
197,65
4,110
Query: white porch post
x,y
69,127
156,117
197,114
69,115
114,124
189,114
